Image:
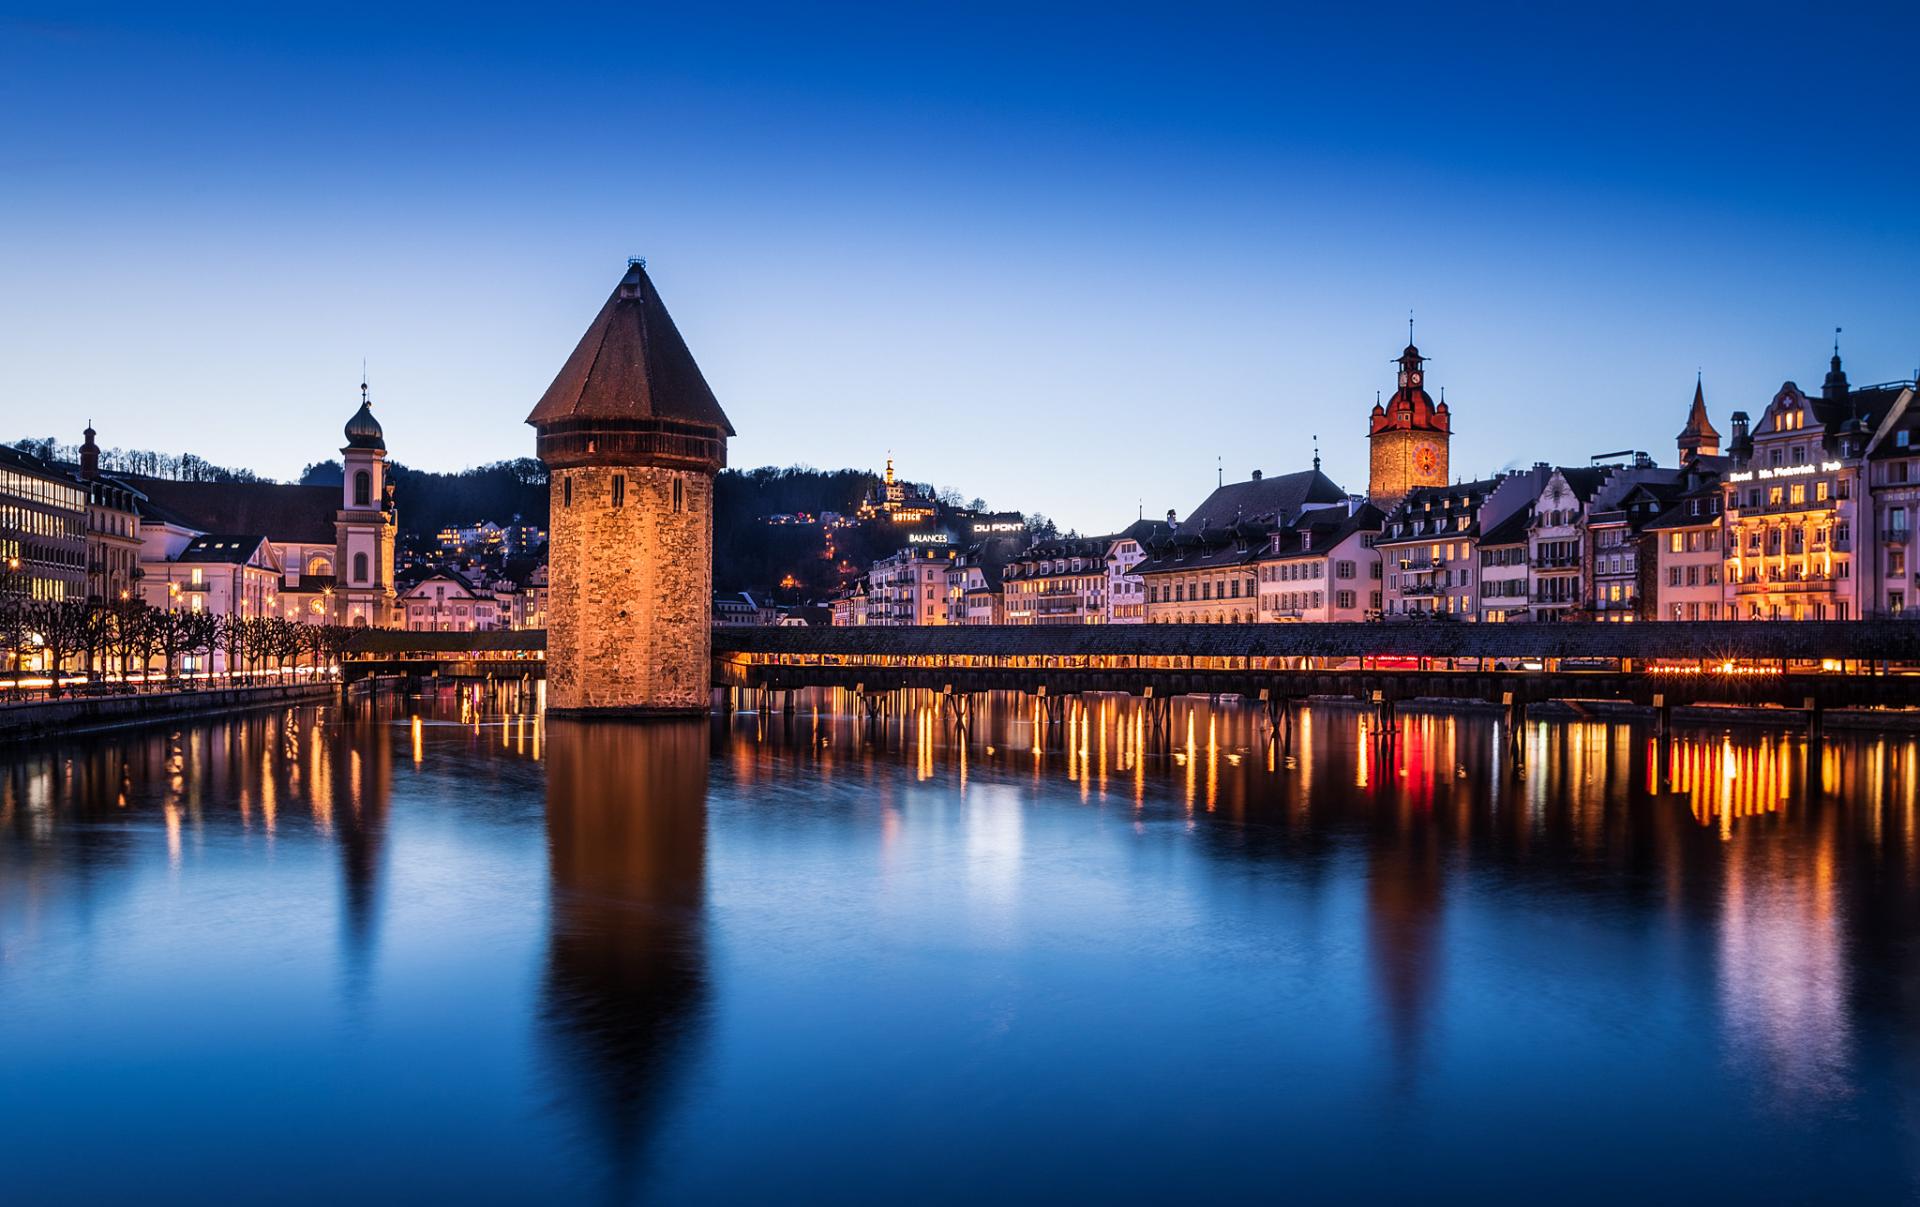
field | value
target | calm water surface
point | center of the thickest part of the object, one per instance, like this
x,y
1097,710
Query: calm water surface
x,y
443,950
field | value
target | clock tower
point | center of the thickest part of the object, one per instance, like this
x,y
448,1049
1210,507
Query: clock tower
x,y
1409,435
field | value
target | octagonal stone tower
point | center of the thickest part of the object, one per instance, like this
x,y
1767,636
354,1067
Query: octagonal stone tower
x,y
632,437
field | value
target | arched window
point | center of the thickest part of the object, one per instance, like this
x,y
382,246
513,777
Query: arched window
x,y
359,567
319,567
362,489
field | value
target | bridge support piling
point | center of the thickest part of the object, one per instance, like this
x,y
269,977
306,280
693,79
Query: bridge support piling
x,y
1662,715
1816,719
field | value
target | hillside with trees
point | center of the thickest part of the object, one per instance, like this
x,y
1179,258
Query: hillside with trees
x,y
797,561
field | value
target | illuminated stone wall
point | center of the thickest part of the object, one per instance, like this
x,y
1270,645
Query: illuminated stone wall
x,y
629,608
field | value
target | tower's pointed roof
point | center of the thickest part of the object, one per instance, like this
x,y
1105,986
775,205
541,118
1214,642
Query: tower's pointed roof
x,y
631,365
1697,422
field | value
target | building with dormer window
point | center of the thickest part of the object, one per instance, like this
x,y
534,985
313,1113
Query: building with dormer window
x,y
1893,471
1801,540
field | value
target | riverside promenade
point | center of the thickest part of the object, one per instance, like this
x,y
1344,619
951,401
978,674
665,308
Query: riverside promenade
x,y
26,720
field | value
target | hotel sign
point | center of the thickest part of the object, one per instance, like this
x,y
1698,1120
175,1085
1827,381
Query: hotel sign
x,y
929,538
1786,471
984,527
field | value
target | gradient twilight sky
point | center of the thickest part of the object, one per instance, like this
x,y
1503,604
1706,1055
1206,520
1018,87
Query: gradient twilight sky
x,y
1063,257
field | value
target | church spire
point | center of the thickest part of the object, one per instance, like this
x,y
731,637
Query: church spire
x,y
1698,438
1835,387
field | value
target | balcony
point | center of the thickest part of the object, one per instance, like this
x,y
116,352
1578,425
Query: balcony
x,y
1567,562
1896,536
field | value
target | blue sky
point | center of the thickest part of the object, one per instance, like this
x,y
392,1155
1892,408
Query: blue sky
x,y
1064,259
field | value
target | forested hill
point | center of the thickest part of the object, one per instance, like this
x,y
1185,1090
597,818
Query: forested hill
x,y
430,501
749,552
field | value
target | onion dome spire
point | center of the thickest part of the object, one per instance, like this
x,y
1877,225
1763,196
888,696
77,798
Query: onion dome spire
x,y
363,430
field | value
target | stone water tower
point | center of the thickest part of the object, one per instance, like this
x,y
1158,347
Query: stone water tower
x,y
631,437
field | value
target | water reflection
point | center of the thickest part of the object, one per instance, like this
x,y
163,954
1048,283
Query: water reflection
x,y
1760,837
626,982
838,943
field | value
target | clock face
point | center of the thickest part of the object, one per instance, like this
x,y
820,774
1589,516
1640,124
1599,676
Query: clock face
x,y
1425,461
1413,379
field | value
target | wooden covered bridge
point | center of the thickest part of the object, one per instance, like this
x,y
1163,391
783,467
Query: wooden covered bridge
x,y
1815,665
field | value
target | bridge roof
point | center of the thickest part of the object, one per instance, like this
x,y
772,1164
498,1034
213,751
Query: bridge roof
x,y
407,641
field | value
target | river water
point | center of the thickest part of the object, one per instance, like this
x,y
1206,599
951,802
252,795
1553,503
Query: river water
x,y
444,950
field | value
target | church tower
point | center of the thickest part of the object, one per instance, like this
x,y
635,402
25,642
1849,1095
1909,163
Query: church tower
x,y
1408,437
632,438
364,526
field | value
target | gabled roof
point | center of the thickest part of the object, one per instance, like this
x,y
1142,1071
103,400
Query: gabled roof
x,y
1886,434
287,514
1510,531
1443,499
457,582
1142,531
1584,483
631,365
1681,514
1272,499
1327,527
232,549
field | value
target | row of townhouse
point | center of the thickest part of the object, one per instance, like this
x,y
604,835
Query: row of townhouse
x,y
448,601
1806,514
1062,580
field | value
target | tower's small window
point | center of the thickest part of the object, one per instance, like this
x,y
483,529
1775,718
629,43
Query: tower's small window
x,y
359,567
619,490
362,489
679,495
566,492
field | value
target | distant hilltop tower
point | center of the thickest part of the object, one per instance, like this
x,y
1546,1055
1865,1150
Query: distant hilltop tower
x,y
632,437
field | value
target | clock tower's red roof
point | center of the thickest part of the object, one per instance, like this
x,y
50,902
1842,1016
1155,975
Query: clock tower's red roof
x,y
1411,408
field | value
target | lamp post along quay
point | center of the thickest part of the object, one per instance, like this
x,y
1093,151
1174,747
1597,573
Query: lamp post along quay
x,y
632,438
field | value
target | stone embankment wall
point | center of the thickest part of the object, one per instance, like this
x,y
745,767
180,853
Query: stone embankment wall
x,y
57,718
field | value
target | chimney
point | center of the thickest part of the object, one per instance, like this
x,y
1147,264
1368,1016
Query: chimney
x,y
89,455
1256,475
1170,519
1741,446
